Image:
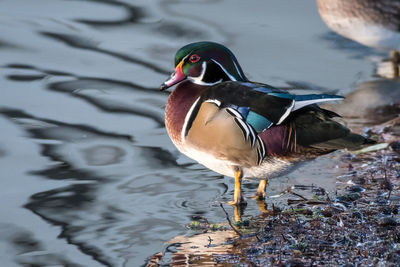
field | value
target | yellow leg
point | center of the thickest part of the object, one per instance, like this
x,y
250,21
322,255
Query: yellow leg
x,y
261,190
238,198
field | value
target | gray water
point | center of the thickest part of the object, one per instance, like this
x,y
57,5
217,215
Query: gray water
x,y
88,174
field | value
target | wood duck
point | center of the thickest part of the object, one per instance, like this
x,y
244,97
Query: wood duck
x,y
245,129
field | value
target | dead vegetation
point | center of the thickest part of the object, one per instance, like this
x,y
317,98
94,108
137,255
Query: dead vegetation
x,y
358,225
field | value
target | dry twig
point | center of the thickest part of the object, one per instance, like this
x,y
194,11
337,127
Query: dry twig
x,y
229,221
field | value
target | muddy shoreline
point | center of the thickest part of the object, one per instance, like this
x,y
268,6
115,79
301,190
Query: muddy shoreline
x,y
357,225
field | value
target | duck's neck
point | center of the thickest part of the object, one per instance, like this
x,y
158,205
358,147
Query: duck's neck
x,y
178,104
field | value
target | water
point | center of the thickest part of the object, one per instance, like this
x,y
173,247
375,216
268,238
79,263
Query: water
x,y
88,175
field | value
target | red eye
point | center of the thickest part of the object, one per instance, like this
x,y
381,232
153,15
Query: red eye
x,y
194,58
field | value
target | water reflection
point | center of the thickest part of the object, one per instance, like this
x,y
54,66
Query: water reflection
x,y
355,50
118,97
81,42
134,14
104,208
30,251
88,174
373,102
102,155
197,250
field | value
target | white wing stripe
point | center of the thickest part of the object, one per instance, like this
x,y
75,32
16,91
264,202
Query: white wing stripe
x,y
253,136
244,126
235,112
215,101
287,112
259,156
248,130
300,104
262,145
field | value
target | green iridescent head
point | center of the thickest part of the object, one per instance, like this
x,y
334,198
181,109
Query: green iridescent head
x,y
205,63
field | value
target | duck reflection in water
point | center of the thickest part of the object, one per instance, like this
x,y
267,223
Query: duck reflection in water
x,y
374,23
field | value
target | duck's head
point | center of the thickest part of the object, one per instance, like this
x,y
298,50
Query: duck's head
x,y
204,63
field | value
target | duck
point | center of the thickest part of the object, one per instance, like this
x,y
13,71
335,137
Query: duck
x,y
369,22
244,129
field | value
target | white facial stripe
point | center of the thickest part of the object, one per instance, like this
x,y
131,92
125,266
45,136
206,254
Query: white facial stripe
x,y
203,71
203,83
199,82
226,72
183,59
199,79
183,131
237,69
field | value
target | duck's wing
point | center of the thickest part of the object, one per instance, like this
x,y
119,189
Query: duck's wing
x,y
228,120
261,106
315,128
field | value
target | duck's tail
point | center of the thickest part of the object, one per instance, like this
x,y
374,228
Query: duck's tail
x,y
352,141
315,128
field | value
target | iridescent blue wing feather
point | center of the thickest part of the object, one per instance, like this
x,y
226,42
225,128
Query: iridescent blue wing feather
x,y
261,106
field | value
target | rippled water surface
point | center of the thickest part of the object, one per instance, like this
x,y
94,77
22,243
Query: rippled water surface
x,y
88,175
